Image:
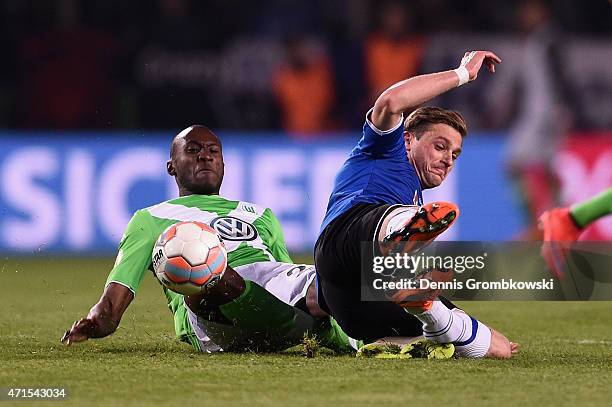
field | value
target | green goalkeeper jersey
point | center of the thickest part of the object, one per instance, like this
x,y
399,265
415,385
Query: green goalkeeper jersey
x,y
250,234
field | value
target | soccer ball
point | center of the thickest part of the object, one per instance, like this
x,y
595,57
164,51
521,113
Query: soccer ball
x,y
188,258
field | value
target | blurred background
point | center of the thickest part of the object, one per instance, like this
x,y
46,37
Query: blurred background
x,y
92,92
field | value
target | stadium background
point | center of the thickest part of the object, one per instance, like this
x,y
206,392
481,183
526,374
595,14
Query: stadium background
x,y
94,91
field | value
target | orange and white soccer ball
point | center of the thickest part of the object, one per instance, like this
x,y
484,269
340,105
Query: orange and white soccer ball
x,y
188,258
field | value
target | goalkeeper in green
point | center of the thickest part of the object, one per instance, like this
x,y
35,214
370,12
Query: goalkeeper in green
x,y
264,302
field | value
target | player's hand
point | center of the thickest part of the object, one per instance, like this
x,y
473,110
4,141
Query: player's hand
x,y
80,331
103,318
474,60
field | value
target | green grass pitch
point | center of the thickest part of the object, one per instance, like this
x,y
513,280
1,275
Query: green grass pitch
x,y
565,359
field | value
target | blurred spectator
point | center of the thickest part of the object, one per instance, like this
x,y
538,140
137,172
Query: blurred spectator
x,y
243,91
164,63
67,72
304,88
392,51
542,119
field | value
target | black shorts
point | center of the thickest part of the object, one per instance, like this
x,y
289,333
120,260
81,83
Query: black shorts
x,y
338,249
338,261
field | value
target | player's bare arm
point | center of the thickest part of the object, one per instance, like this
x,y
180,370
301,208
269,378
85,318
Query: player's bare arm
x,y
413,92
103,318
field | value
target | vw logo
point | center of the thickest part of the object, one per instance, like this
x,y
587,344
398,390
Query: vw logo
x,y
230,228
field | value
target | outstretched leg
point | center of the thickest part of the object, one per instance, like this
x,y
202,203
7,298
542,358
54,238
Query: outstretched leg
x,y
441,323
338,261
262,307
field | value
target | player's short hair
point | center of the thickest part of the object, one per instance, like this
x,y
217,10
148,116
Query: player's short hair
x,y
423,117
186,131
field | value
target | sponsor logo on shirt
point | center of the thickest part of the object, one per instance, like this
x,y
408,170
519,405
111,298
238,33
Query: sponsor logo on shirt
x,y
231,228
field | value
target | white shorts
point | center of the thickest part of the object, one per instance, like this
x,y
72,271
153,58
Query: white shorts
x,y
287,282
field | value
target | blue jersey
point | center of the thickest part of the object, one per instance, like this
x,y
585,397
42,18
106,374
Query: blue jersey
x,y
377,171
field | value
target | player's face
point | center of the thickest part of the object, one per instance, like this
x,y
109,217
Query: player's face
x,y
434,153
197,163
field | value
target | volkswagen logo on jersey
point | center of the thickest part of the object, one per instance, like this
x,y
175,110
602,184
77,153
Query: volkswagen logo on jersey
x,y
230,228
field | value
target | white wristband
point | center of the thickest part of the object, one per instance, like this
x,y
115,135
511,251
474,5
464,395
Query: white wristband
x,y
463,74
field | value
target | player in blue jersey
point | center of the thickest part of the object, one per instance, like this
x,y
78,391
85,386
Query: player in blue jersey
x,y
373,199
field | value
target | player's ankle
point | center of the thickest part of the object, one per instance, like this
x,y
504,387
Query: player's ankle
x,y
476,340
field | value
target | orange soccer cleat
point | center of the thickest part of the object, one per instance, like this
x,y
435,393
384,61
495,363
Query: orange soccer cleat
x,y
427,223
557,226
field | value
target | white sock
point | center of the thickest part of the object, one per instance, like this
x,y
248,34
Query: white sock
x,y
471,337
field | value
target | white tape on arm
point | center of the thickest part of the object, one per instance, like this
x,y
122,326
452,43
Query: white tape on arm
x,y
463,74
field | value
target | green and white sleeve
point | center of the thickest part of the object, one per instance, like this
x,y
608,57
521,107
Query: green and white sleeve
x,y
276,241
134,256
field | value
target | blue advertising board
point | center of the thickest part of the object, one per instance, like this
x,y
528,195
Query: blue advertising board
x,y
74,193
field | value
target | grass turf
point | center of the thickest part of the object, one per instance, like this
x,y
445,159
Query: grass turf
x,y
566,354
